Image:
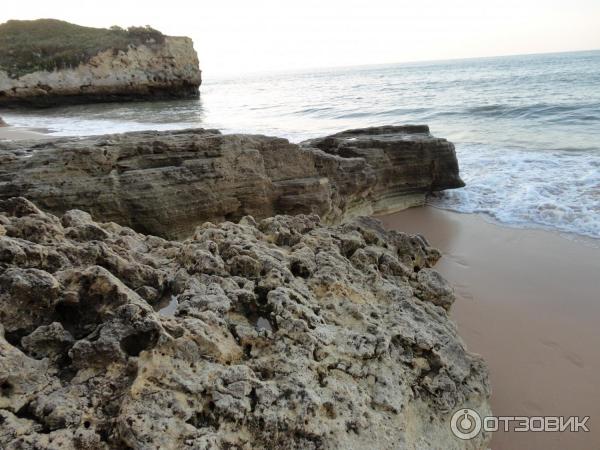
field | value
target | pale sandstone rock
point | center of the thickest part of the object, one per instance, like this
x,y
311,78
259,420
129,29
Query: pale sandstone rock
x,y
167,183
161,71
282,333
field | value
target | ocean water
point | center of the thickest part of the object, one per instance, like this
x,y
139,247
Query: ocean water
x,y
526,128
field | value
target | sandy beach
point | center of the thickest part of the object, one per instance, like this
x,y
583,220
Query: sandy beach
x,y
16,134
528,302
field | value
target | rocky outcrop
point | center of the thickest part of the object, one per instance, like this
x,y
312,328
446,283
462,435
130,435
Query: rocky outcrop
x,y
167,183
146,69
407,162
282,334
3,123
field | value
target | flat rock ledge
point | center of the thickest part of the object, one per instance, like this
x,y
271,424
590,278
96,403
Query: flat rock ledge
x,y
167,183
282,333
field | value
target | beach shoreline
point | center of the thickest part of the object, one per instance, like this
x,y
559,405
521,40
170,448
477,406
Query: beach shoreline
x,y
18,133
527,302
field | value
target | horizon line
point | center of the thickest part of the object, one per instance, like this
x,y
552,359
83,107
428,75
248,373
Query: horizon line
x,y
225,75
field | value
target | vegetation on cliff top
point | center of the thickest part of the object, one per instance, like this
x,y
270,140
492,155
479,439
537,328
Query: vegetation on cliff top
x,y
27,46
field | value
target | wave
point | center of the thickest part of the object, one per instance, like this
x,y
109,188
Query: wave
x,y
313,111
554,189
586,112
392,113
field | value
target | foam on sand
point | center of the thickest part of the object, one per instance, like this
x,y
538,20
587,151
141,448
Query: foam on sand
x,y
555,189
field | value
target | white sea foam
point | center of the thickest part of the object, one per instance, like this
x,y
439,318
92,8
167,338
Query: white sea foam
x,y
550,189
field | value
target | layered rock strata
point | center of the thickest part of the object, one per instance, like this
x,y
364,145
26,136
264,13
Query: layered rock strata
x,y
146,71
167,183
282,333
407,162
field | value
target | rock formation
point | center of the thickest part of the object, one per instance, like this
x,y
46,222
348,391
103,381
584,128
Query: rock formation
x,y
281,334
3,123
167,183
103,65
407,162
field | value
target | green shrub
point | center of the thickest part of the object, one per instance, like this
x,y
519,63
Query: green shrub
x,y
27,46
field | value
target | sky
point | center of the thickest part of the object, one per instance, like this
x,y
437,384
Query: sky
x,y
246,36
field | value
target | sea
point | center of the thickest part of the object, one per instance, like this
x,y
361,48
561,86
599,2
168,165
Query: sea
x,y
526,128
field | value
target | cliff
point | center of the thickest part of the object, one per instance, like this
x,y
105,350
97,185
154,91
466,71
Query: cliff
x,y
49,62
283,333
167,183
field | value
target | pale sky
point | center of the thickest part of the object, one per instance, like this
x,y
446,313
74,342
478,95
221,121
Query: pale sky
x,y
243,36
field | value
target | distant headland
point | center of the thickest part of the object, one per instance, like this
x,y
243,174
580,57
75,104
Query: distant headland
x,y
50,62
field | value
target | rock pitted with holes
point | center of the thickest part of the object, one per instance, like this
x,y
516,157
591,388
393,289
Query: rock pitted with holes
x,y
282,333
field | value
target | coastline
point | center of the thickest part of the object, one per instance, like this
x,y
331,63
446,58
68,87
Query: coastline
x,y
260,263
527,303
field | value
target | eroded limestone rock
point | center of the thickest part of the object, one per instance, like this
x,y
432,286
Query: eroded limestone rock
x,y
167,183
281,333
406,161
144,69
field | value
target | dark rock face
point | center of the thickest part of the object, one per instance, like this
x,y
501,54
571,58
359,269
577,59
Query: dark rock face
x,y
171,90
168,183
282,333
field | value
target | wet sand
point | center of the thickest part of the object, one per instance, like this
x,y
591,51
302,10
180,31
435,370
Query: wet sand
x,y
17,134
528,301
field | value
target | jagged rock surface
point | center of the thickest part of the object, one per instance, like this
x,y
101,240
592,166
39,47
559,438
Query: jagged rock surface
x,y
167,183
279,334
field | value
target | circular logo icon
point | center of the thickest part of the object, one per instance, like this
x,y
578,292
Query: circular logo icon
x,y
465,424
